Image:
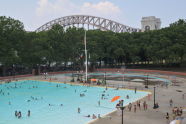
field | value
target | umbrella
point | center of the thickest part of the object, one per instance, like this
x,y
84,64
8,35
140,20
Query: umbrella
x,y
115,98
184,109
175,122
94,80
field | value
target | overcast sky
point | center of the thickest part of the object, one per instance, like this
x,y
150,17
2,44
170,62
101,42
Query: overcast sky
x,y
34,13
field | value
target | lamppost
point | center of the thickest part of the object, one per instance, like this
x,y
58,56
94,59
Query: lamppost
x,y
122,109
105,79
147,81
13,71
154,98
123,69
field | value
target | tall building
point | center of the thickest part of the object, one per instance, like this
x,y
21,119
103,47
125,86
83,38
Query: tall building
x,y
150,23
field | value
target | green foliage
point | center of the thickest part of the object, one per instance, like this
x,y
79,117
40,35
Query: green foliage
x,y
58,46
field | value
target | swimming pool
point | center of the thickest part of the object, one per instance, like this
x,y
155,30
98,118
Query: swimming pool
x,y
37,95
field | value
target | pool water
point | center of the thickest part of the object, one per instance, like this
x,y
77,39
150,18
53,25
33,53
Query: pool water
x,y
37,95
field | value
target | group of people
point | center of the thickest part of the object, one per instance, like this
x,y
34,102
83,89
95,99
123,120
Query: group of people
x,y
135,106
19,115
177,111
138,105
119,104
93,116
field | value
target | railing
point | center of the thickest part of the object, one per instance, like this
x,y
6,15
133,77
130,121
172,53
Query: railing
x,y
125,86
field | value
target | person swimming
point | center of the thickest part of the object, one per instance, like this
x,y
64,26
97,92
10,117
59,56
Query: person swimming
x,y
50,105
79,110
19,114
28,113
87,116
99,103
81,95
16,113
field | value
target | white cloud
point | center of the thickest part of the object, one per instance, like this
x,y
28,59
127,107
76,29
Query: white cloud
x,y
103,8
67,7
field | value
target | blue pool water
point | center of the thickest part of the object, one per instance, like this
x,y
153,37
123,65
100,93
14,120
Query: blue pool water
x,y
24,97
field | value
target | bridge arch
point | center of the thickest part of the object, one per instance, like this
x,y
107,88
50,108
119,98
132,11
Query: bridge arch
x,y
98,22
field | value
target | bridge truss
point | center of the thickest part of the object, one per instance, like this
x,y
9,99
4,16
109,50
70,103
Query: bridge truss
x,y
95,22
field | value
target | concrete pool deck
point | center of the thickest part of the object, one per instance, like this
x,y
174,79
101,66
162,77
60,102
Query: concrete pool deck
x,y
150,116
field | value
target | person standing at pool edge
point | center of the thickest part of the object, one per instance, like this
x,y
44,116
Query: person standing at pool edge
x,y
135,90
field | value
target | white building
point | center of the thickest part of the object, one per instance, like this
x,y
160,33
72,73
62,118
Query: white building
x,y
150,23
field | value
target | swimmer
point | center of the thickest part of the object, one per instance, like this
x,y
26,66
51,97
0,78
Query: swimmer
x,y
85,91
16,113
79,110
99,103
28,113
19,114
87,116
9,103
61,104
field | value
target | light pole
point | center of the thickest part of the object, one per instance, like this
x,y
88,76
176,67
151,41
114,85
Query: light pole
x,y
105,79
122,109
154,98
86,61
123,69
147,81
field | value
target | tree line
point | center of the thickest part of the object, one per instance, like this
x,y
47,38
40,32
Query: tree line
x,y
59,48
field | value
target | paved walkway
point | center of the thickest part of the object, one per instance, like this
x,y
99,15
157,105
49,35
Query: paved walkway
x,y
151,116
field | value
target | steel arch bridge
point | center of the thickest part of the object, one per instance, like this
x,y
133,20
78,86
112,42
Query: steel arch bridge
x,y
98,22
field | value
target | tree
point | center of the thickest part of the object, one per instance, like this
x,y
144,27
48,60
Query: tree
x,y
11,35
